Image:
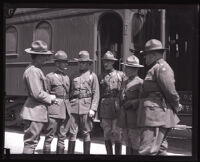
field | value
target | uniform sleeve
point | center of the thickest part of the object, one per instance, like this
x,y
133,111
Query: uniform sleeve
x,y
96,93
166,81
36,89
48,82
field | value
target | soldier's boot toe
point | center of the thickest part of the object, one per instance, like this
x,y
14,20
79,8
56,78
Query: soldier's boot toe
x,y
134,152
128,150
71,147
60,150
118,148
86,147
108,145
46,150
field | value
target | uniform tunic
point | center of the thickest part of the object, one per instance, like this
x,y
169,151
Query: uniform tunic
x,y
59,85
110,85
35,107
158,106
34,111
128,114
84,95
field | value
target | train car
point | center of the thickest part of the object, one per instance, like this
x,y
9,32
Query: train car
x,y
99,30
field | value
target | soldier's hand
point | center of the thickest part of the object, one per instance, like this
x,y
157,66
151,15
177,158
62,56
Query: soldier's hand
x,y
53,98
179,108
91,113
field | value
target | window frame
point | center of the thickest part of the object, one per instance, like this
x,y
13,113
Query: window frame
x,y
12,53
51,31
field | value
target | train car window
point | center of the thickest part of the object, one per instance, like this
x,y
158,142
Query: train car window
x,y
43,32
11,41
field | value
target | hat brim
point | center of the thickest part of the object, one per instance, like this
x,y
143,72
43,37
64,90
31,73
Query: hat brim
x,y
110,59
60,59
83,60
134,66
145,52
28,50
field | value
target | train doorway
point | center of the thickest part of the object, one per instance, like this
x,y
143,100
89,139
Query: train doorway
x,y
109,37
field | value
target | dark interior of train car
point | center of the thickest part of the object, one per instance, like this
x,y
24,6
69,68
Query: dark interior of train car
x,y
110,28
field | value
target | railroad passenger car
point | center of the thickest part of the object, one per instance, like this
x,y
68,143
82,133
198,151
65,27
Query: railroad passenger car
x,y
99,30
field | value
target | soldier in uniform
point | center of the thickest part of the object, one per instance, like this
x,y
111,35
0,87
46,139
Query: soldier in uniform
x,y
130,92
84,99
58,83
34,111
110,85
159,101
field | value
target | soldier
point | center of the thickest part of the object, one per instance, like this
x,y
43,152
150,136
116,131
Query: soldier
x,y
110,85
159,103
84,99
34,111
130,102
58,83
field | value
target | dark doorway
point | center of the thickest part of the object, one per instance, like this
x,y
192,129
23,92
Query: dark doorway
x,y
181,33
110,29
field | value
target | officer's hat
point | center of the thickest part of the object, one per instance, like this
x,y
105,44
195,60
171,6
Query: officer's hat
x,y
60,56
83,56
109,56
153,45
39,47
133,61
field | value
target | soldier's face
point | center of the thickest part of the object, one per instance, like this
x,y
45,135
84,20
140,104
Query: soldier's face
x,y
42,59
108,64
149,58
62,64
84,65
131,71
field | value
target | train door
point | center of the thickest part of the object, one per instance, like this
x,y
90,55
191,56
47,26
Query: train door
x,y
182,50
109,37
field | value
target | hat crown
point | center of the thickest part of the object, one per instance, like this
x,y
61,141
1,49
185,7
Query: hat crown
x,y
153,44
39,45
132,60
61,55
109,56
84,55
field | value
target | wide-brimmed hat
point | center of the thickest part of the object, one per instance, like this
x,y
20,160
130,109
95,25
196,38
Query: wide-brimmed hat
x,y
60,55
38,47
132,61
83,56
109,56
153,45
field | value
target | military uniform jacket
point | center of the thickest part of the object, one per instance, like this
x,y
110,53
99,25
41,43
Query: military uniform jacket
x,y
35,107
59,85
130,102
84,93
110,85
159,98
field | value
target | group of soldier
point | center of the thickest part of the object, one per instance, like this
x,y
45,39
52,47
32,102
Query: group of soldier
x,y
137,112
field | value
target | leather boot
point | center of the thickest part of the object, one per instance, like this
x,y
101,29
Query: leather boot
x,y
108,145
86,147
128,150
46,150
134,152
71,147
118,148
60,150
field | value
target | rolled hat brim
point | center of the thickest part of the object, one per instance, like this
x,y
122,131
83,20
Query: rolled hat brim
x,y
83,60
28,50
133,65
146,51
110,59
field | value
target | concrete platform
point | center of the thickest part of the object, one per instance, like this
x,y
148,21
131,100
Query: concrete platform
x,y
14,141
